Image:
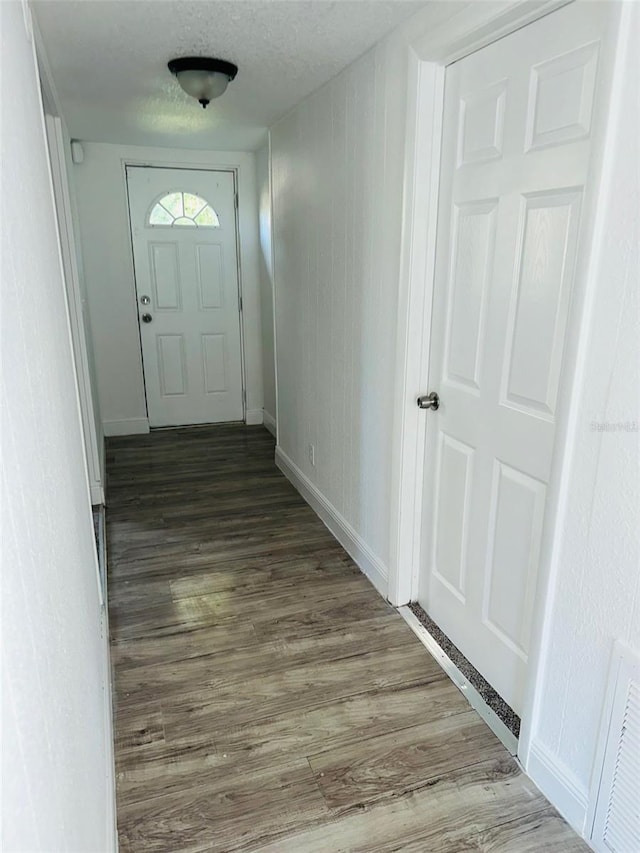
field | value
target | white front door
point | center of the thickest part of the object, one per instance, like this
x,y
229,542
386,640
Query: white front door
x,y
516,149
183,227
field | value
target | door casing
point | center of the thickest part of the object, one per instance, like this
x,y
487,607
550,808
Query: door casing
x,y
209,168
473,28
94,449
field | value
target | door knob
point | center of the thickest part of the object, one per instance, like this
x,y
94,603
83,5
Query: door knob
x,y
145,300
429,401
147,318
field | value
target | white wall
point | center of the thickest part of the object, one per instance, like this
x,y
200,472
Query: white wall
x,y
56,763
596,593
337,172
263,179
336,228
333,307
108,267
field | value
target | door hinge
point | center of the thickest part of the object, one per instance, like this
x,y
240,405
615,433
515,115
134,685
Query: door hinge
x,y
244,398
240,304
235,200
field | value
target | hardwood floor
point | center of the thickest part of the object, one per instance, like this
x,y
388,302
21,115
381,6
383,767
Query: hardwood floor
x,y
267,698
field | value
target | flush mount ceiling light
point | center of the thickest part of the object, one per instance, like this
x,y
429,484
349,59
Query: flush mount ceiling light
x,y
203,78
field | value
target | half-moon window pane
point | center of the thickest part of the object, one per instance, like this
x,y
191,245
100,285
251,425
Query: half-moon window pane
x,y
193,204
183,209
173,203
160,216
207,216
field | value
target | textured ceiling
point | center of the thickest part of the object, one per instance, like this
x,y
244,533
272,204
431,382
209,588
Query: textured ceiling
x,y
108,61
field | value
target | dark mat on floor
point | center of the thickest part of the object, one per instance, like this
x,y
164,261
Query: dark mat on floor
x,y
493,700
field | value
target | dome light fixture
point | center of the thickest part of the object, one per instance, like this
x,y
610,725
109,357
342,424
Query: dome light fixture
x,y
203,78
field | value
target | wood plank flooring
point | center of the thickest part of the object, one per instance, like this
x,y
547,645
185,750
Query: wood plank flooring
x,y
266,697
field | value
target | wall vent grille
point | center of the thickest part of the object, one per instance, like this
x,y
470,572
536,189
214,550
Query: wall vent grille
x,y
616,827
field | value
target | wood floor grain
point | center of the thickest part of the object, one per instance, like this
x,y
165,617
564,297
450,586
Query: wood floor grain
x,y
266,697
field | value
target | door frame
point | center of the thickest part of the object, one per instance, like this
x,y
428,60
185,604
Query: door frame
x,y
234,170
475,27
54,130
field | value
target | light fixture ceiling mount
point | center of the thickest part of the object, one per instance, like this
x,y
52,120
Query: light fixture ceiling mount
x,y
203,78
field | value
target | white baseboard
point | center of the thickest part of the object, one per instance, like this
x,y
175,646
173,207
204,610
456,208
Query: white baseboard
x,y
351,541
559,785
253,417
270,422
129,426
97,494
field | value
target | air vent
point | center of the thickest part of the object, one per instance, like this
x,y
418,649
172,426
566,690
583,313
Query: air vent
x,y
616,827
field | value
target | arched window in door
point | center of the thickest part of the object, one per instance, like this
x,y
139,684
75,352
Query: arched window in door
x,y
178,209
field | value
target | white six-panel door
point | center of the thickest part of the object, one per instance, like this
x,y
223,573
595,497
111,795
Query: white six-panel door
x,y
183,228
516,147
